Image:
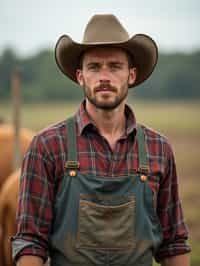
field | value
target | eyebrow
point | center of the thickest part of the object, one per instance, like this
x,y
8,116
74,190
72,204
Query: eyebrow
x,y
92,63
116,63
109,63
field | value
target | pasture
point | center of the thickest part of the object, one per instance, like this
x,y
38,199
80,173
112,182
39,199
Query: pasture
x,y
180,121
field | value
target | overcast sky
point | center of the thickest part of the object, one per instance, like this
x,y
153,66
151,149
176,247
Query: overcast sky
x,y
29,25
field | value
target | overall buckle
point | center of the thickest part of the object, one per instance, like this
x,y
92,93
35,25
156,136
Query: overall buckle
x,y
72,166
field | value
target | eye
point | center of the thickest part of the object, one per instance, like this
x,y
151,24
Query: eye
x,y
115,66
93,67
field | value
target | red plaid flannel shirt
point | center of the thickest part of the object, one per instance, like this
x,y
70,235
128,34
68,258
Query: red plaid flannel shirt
x,y
43,170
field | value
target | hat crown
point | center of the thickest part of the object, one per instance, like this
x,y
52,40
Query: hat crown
x,y
104,29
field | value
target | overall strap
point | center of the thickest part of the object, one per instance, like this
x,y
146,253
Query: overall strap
x,y
72,161
142,151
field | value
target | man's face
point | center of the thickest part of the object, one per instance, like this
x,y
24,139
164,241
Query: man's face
x,y
105,77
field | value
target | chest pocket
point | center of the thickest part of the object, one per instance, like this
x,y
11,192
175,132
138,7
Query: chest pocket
x,y
100,226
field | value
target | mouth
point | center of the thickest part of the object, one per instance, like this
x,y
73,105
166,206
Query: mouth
x,y
105,89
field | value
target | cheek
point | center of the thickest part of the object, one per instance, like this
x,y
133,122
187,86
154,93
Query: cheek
x,y
90,80
121,80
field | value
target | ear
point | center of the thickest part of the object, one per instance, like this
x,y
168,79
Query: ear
x,y
79,77
132,75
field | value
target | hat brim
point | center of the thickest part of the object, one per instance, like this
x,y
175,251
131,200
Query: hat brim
x,y
142,48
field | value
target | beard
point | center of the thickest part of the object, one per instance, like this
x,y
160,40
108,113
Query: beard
x,y
106,104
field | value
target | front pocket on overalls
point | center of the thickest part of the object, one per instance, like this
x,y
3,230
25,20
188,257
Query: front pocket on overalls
x,y
106,227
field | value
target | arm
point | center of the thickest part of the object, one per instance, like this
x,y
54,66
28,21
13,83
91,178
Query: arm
x,y
180,260
173,250
29,260
34,213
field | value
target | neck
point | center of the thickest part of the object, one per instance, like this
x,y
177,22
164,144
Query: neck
x,y
110,123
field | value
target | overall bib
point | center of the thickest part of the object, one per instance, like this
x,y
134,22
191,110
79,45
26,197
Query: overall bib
x,y
104,221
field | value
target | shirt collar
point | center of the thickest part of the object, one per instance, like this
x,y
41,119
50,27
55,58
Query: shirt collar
x,y
84,121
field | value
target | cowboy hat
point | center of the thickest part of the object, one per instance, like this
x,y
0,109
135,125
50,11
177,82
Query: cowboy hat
x,y
106,30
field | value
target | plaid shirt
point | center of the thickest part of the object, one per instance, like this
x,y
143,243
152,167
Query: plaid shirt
x,y
43,170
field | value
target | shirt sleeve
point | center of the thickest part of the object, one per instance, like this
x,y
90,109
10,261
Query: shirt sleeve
x,y
34,214
170,212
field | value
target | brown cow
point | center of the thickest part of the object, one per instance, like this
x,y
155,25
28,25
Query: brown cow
x,y
7,148
9,186
8,205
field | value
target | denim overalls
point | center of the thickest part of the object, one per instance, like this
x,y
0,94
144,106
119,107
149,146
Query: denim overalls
x,y
104,221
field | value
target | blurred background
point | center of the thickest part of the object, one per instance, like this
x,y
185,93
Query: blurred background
x,y
34,93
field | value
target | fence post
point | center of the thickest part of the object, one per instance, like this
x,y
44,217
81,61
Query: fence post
x,y
16,100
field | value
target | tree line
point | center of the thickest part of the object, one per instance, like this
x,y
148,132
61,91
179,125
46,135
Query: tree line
x,y
175,77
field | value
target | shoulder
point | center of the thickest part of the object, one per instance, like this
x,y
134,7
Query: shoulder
x,y
152,133
53,131
50,139
157,141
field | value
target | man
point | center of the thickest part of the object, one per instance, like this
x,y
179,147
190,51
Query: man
x,y
100,189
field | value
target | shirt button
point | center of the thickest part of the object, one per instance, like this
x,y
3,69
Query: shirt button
x,y
72,173
143,178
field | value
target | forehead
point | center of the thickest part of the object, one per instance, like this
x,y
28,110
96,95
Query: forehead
x,y
102,53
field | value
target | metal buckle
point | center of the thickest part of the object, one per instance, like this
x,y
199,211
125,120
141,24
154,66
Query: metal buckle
x,y
143,169
72,165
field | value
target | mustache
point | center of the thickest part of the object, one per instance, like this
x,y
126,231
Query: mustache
x,y
104,86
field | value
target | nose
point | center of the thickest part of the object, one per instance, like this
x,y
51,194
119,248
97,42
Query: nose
x,y
104,75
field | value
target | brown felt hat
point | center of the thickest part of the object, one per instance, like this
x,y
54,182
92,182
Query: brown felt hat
x,y
106,30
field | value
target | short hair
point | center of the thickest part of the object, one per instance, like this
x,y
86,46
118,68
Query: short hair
x,y
130,59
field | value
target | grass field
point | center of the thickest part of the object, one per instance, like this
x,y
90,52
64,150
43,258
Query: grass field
x,y
180,121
